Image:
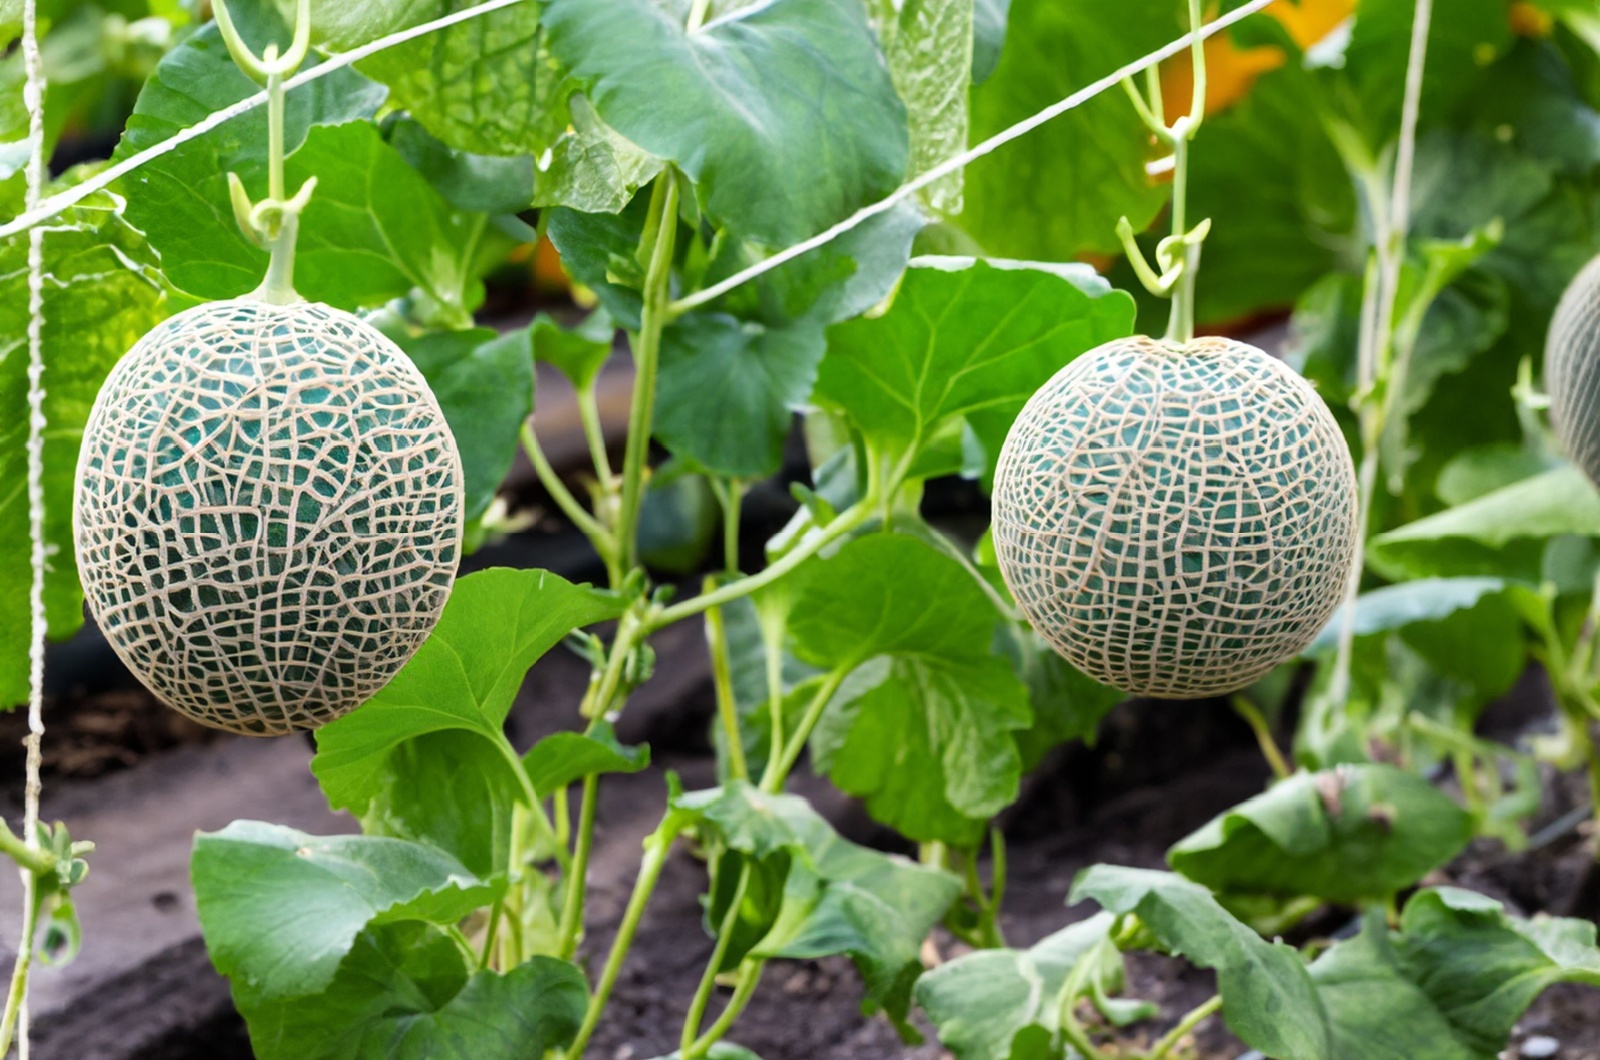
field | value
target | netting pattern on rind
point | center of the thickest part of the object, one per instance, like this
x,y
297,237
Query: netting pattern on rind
x,y
269,513
1572,370
1176,521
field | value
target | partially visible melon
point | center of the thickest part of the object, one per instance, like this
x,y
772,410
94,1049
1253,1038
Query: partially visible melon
x,y
1572,370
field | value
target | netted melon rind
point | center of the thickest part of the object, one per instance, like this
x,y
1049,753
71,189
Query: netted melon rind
x,y
269,513
1572,370
1176,521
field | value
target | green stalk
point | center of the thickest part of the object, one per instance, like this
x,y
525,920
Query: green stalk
x,y
708,979
656,849
722,684
842,524
578,875
661,233
1172,1038
1281,768
743,990
778,768
19,971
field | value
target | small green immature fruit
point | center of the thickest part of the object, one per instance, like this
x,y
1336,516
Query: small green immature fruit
x,y
1572,370
269,513
1176,520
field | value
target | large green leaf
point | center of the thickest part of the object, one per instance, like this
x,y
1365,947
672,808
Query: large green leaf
x,y
496,625
1460,45
101,293
727,388
1395,607
748,104
180,200
1503,533
483,85
1268,997
1058,191
484,383
930,47
965,338
922,726
836,897
280,909
1356,834
1451,983
405,993
1298,220
1004,1004
450,789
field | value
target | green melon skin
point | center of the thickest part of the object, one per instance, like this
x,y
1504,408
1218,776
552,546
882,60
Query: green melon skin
x,y
269,513
1176,520
1572,370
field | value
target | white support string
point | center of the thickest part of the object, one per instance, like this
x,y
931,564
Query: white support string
x,y
54,205
33,97
956,162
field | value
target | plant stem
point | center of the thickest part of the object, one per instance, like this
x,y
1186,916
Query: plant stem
x,y
34,859
661,230
722,685
1172,1038
1269,747
743,990
778,768
18,992
842,524
730,495
708,978
656,849
594,433
597,534
1379,296
577,876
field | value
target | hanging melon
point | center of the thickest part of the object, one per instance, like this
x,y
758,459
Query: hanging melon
x,y
269,512
1572,370
1176,519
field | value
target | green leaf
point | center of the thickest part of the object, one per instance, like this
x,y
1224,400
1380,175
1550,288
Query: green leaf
x,y
405,993
922,726
1067,703
930,46
577,353
1267,248
180,200
484,85
747,104
1058,191
484,383
472,824
102,292
988,36
253,878
1353,835
496,625
476,183
837,897
593,244
1004,1004
1459,47
1267,996
965,338
1451,983
564,757
374,229
719,1051
1395,607
727,391
592,167
1500,534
